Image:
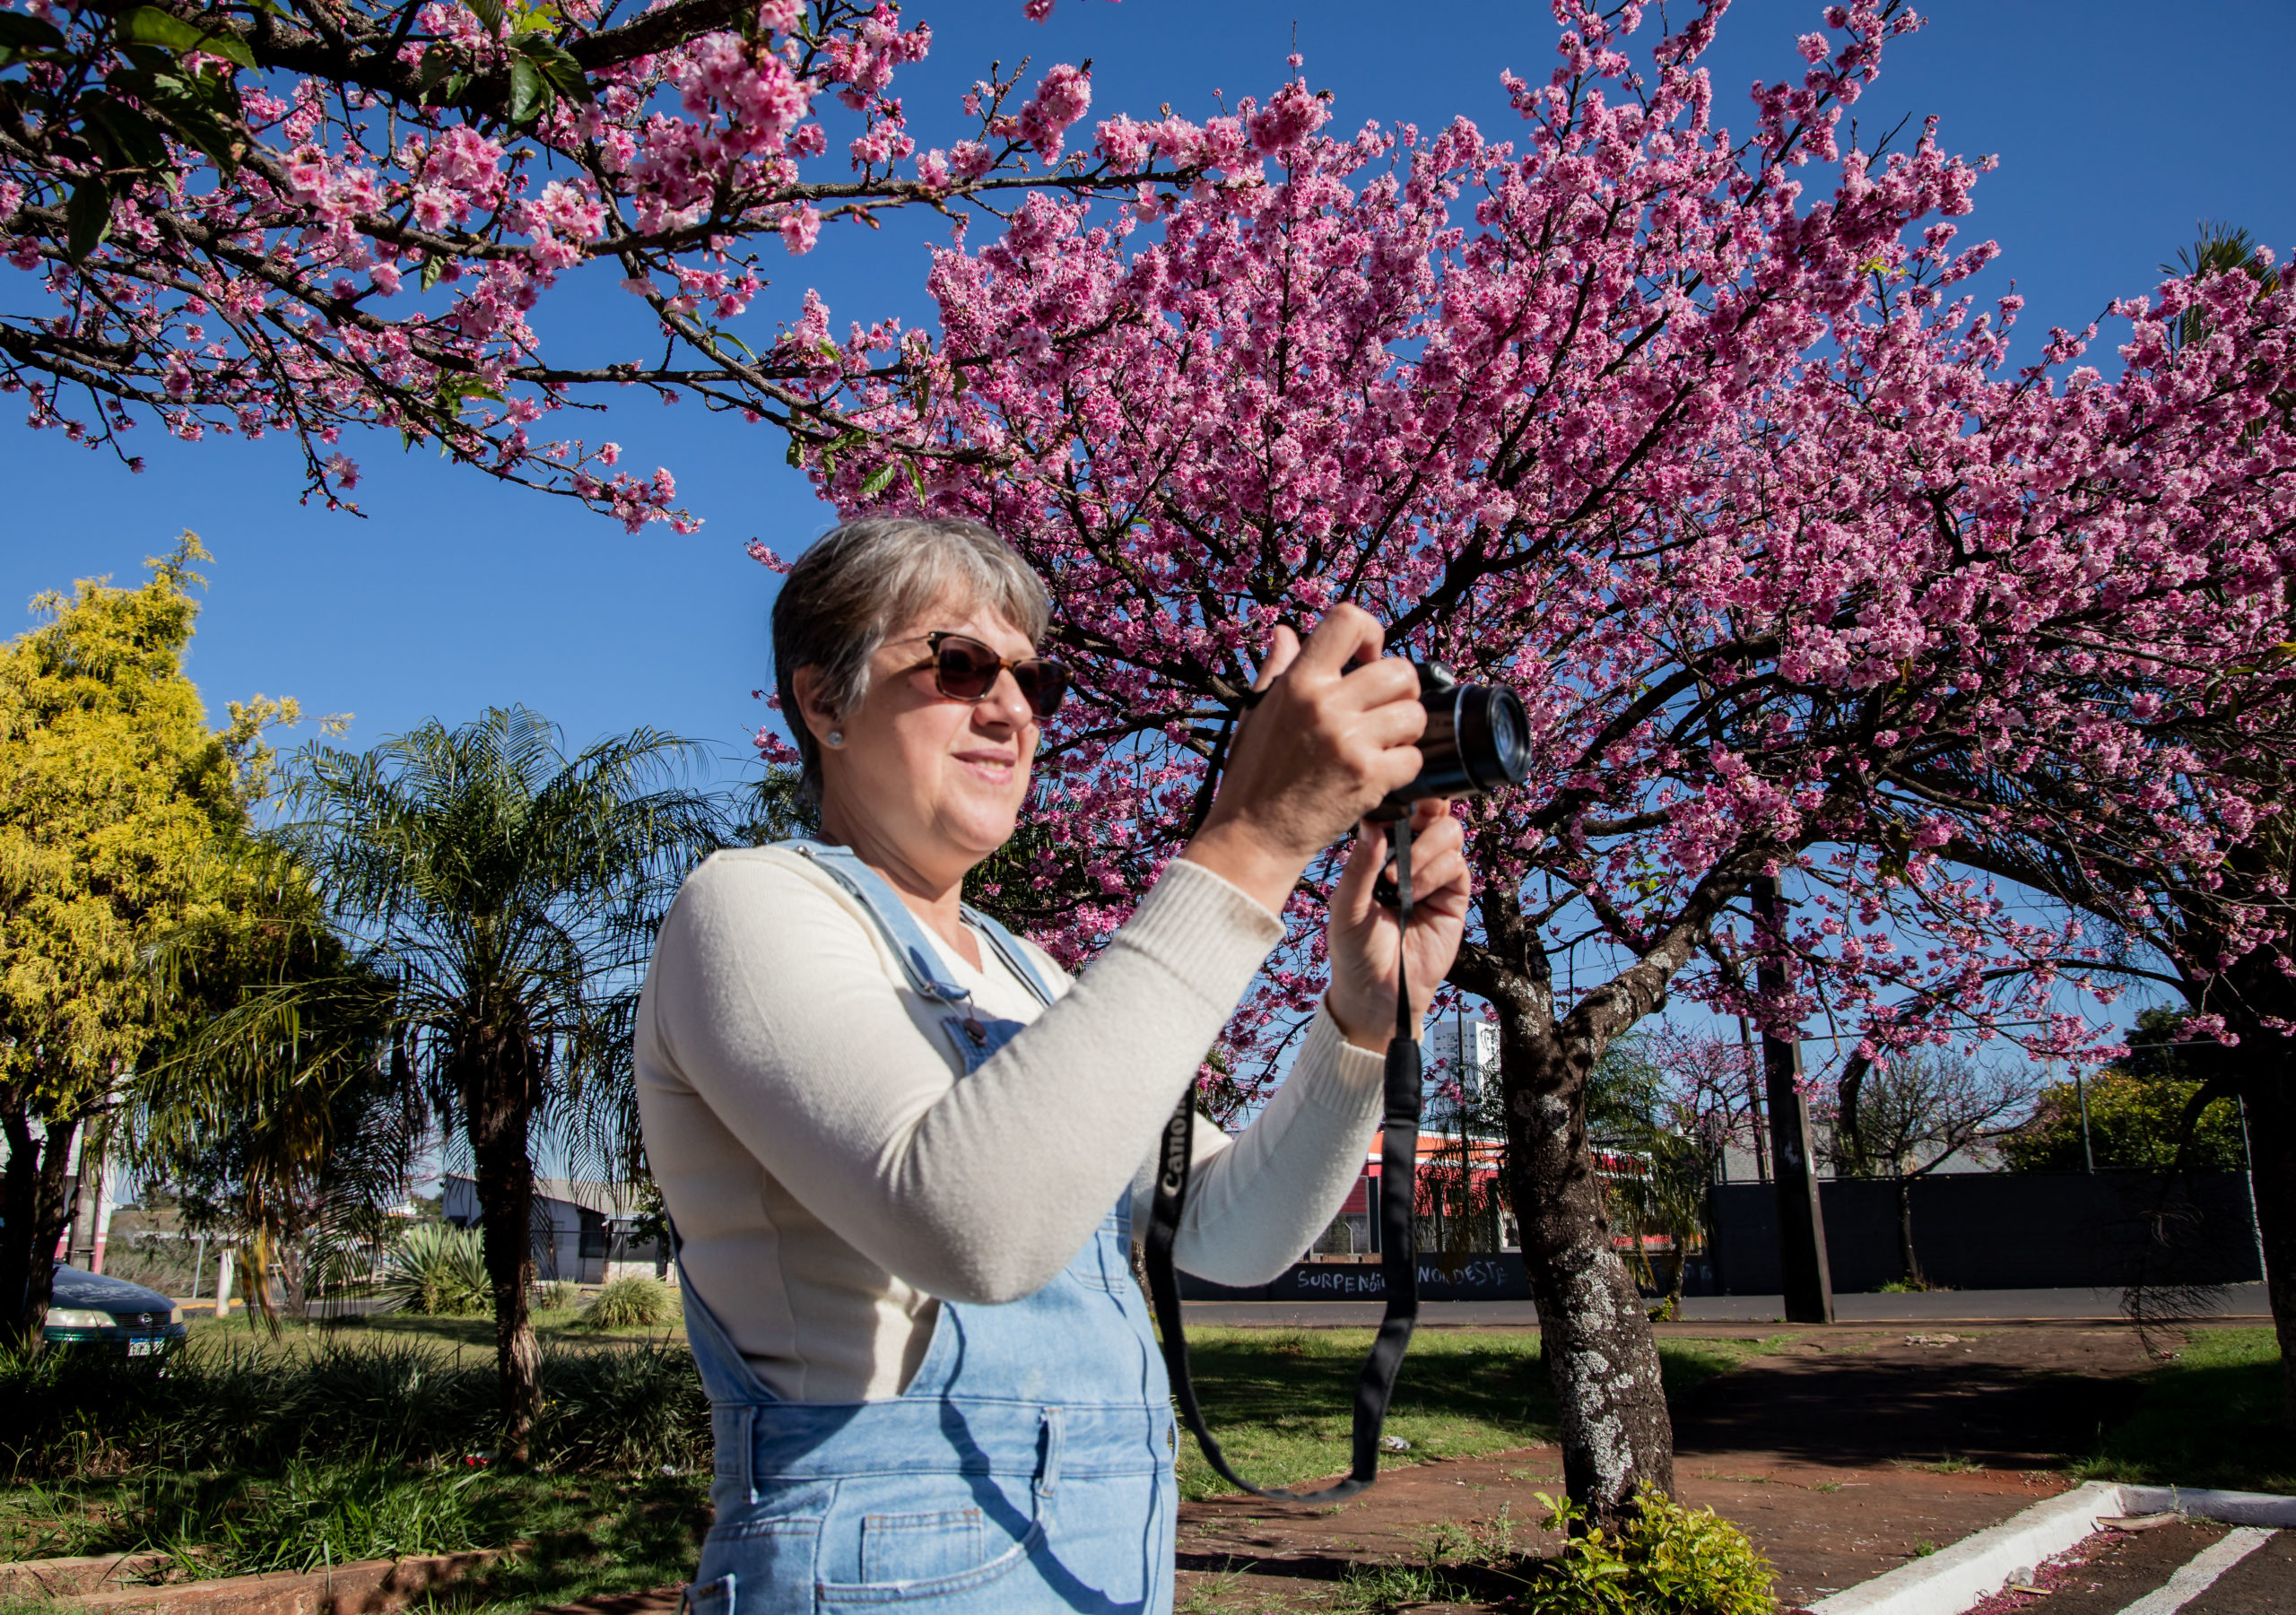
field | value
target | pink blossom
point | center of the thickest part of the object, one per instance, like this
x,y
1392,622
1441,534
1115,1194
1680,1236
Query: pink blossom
x,y
801,227
1062,96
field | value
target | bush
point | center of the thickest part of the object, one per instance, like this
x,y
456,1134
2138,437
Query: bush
x,y
250,1406
439,1271
557,1295
631,1302
1668,1560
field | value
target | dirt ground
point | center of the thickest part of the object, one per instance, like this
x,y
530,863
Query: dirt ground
x,y
1842,1456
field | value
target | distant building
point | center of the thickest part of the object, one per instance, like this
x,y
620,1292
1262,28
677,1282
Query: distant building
x,y
1461,1055
582,1230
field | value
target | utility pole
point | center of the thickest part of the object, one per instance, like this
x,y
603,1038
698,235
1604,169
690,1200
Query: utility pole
x,y
1801,1224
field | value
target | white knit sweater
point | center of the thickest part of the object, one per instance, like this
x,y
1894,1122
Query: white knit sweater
x,y
831,1175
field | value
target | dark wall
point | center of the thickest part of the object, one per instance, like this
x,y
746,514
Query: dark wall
x,y
2002,1231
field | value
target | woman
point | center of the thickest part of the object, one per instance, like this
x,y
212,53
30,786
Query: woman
x,y
904,1153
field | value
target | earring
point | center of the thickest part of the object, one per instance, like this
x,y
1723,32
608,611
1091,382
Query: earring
x,y
836,737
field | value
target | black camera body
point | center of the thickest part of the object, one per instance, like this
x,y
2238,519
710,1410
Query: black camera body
x,y
1477,739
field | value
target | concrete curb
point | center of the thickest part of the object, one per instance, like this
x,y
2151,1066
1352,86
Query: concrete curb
x,y
54,1578
368,1587
1952,1579
2232,1507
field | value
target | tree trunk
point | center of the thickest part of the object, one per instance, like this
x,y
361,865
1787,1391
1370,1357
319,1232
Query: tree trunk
x,y
1595,1334
36,1213
1849,1137
2269,1095
498,1098
1909,1263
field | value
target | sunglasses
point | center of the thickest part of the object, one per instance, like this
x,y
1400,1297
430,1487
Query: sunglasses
x,y
966,670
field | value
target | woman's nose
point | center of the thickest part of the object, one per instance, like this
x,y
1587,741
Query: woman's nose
x,y
1003,707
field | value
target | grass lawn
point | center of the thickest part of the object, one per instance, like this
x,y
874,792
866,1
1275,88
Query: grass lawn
x,y
1281,1402
587,1533
2210,1418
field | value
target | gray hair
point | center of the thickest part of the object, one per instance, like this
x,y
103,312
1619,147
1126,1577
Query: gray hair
x,y
862,580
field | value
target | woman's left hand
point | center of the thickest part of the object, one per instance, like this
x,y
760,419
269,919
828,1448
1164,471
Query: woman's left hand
x,y
1364,935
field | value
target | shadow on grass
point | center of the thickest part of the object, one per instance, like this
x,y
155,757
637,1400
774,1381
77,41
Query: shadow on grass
x,y
1281,1401
2212,1418
599,1539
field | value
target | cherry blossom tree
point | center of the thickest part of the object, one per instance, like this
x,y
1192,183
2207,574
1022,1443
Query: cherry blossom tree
x,y
310,216
2202,914
1725,470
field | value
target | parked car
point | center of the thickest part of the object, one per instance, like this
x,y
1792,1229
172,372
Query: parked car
x,y
85,1306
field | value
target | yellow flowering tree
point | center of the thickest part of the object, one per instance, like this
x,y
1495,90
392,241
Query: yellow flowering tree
x,y
121,811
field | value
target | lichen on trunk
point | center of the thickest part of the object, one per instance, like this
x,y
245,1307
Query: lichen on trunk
x,y
1596,1341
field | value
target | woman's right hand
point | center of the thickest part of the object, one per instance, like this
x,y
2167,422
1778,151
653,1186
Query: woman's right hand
x,y
1320,750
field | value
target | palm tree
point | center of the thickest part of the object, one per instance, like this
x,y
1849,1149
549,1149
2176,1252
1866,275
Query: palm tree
x,y
508,893
276,1117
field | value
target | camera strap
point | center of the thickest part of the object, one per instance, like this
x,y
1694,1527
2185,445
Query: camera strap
x,y
1398,1260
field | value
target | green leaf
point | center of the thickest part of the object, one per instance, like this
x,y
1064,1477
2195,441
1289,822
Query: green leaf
x,y
796,454
490,12
437,64
530,93
560,69
123,135
916,480
28,33
195,107
87,218
149,25
433,266
879,478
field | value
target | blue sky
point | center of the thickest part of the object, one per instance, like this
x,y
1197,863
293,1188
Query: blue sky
x,y
2118,126
2116,131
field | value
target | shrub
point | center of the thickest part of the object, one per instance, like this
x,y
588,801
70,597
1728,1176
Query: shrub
x,y
1668,1560
631,1302
440,1270
557,1295
250,1406
637,1407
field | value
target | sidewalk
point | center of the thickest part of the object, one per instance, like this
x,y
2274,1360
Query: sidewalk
x,y
2239,1303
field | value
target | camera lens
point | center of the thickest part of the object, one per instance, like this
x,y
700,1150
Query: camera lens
x,y
1476,740
1510,730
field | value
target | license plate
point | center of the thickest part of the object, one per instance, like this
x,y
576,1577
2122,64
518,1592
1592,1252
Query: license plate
x,y
145,1348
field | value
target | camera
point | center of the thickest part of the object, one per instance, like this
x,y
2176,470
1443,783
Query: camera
x,y
1477,739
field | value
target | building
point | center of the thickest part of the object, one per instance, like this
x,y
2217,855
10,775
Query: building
x,y
1461,1056
583,1231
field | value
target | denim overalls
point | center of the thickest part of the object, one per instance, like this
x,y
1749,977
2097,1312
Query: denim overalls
x,y
1027,1467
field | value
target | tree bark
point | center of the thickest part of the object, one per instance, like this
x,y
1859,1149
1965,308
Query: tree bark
x,y
1848,1136
36,1213
1907,1259
2269,1095
1595,1332
498,1099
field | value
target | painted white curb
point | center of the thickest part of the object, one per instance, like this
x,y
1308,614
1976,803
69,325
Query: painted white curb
x,y
2232,1507
1952,1579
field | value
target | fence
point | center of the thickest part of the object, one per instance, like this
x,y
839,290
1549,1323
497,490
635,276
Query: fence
x,y
2002,1231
